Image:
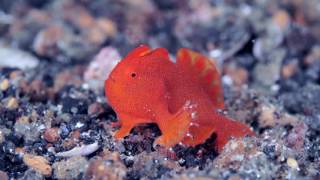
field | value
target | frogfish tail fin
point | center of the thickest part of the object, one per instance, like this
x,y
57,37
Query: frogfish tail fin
x,y
229,129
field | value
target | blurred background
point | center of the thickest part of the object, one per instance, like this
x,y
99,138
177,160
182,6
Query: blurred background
x,y
269,44
56,54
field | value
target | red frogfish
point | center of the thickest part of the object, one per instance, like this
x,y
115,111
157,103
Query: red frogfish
x,y
181,97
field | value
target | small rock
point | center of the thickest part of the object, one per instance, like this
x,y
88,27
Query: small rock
x,y
31,174
297,137
36,90
52,135
46,41
269,116
95,35
107,167
19,150
313,56
237,152
3,175
95,108
152,165
68,77
234,177
2,138
107,26
4,85
266,74
298,40
15,75
30,131
281,19
291,162
289,70
102,29
101,66
303,100
70,168
4,132
78,16
76,47
17,59
12,103
38,163
258,167
138,12
72,141
238,75
9,147
267,45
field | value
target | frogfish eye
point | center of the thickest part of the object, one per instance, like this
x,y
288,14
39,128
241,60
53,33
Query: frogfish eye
x,y
133,74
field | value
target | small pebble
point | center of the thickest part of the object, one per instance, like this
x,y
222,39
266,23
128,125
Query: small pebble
x,y
105,169
2,138
12,103
292,163
52,135
101,66
281,19
95,108
46,41
289,70
238,75
9,58
107,26
4,85
31,174
38,163
3,175
70,168
234,177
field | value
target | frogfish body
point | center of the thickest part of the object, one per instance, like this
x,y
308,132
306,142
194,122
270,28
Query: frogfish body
x,y
181,97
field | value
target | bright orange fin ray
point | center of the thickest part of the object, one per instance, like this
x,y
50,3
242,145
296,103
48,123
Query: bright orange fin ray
x,y
160,53
138,52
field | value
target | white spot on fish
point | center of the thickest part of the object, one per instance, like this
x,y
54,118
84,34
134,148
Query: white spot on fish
x,y
194,124
189,135
193,115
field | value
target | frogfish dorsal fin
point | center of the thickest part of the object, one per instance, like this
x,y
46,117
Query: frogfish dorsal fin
x,y
160,52
138,52
144,50
207,73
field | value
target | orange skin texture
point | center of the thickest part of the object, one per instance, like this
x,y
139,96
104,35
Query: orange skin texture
x,y
181,97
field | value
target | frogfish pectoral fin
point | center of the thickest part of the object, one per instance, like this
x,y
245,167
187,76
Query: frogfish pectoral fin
x,y
123,131
174,128
198,134
127,123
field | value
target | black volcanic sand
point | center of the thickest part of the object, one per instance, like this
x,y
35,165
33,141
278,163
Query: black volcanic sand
x,y
55,122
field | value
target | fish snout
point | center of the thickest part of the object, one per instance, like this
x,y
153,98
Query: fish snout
x,y
109,82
